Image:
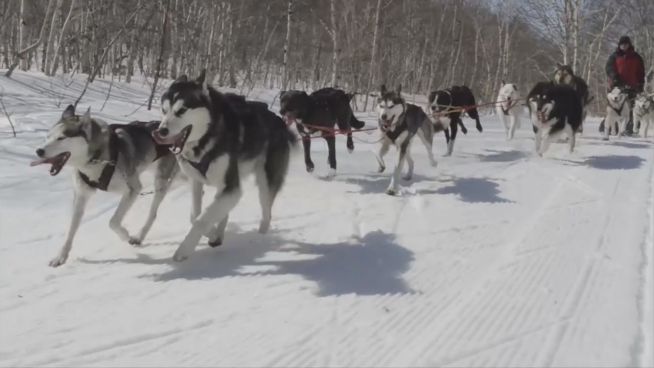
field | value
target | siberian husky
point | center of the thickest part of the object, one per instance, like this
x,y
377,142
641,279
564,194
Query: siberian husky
x,y
218,140
317,114
399,122
107,158
508,108
618,111
555,110
446,107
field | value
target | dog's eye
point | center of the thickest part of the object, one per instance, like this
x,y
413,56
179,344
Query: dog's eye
x,y
61,138
181,111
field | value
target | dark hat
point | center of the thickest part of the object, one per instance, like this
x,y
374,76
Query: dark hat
x,y
624,40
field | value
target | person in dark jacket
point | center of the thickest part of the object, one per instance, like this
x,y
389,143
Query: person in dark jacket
x,y
625,68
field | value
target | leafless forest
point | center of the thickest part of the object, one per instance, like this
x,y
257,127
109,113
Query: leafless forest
x,y
307,44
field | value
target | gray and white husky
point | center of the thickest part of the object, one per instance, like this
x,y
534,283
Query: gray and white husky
x,y
399,122
508,108
108,158
218,140
643,112
617,112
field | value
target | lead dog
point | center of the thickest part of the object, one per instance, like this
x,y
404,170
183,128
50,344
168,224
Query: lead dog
x,y
107,158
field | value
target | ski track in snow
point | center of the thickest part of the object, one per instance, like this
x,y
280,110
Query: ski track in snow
x,y
495,258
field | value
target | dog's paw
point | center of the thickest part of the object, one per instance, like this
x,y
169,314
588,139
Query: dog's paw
x,y
605,138
407,177
381,169
433,163
264,227
309,168
331,173
216,243
180,256
58,260
134,241
391,191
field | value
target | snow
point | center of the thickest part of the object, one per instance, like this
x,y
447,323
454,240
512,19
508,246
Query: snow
x,y
495,258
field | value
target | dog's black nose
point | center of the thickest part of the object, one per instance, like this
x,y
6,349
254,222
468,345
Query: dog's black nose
x,y
384,116
163,132
40,152
433,108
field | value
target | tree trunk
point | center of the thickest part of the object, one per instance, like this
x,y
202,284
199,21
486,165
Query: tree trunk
x,y
61,39
21,34
49,53
373,54
287,42
334,32
162,48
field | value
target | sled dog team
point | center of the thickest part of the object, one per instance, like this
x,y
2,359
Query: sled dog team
x,y
217,139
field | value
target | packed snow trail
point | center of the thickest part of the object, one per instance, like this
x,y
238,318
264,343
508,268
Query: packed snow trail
x,y
495,258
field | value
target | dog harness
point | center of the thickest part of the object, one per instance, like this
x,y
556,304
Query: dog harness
x,y
109,167
618,111
114,148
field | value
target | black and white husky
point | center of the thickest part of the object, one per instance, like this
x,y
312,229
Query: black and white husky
x,y
399,122
108,158
317,114
446,107
218,140
508,108
618,111
643,112
555,110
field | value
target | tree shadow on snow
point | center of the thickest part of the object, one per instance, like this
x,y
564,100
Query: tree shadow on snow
x,y
472,190
614,162
371,265
630,145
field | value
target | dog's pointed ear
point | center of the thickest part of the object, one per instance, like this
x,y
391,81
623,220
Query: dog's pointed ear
x,y
399,89
181,79
202,80
503,83
383,89
69,112
90,127
432,96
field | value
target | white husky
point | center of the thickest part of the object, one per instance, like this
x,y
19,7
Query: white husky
x,y
508,108
617,112
643,112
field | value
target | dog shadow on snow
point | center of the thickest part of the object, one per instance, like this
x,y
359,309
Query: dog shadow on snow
x,y
470,190
370,265
609,162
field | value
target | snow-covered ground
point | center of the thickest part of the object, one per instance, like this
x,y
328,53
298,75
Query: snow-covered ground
x,y
494,258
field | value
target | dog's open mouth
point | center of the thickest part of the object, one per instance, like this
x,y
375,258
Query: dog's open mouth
x,y
385,125
542,116
176,141
57,162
